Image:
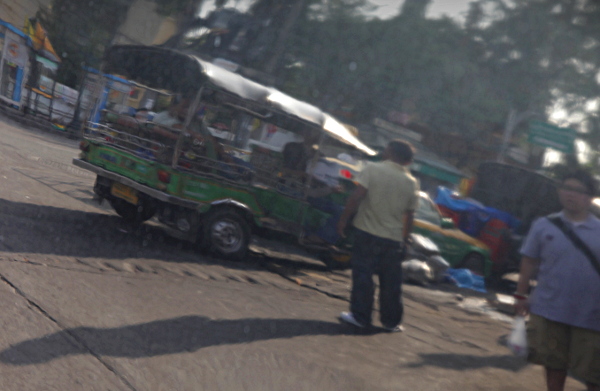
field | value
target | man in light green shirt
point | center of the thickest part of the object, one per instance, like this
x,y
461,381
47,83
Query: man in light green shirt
x,y
384,202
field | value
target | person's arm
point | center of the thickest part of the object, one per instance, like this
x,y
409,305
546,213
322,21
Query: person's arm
x,y
528,269
409,215
531,251
408,224
351,207
220,151
200,131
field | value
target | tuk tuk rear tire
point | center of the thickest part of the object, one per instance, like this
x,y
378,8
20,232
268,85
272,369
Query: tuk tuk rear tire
x,y
226,234
132,213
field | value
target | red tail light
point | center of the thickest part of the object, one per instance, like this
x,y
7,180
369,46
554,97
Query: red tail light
x,y
164,176
345,174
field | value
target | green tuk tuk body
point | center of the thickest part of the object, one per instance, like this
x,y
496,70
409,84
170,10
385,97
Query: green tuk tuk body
x,y
146,170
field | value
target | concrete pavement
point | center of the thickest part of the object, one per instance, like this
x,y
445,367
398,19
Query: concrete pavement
x,y
87,306
81,329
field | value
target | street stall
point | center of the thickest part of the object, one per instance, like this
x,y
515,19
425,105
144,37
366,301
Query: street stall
x,y
64,101
14,64
41,91
42,83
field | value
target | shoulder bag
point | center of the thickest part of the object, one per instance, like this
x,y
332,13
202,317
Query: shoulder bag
x,y
556,220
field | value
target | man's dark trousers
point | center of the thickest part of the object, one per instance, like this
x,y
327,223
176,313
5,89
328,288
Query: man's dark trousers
x,y
372,254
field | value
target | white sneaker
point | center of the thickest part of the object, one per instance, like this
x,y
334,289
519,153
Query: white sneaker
x,y
396,329
348,317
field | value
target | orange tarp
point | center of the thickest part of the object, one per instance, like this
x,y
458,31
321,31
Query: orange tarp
x,y
39,37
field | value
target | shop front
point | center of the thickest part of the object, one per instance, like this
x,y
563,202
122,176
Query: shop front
x,y
42,89
14,64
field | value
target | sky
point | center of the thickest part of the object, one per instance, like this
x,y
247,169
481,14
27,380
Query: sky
x,y
385,8
437,8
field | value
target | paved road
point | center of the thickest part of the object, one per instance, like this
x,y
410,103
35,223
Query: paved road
x,y
89,305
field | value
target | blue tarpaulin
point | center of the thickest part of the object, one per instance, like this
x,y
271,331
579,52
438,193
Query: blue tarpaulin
x,y
474,215
464,278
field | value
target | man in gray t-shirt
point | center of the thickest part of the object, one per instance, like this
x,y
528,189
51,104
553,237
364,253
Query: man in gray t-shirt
x,y
564,327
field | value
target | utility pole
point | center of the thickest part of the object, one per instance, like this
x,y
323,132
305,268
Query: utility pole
x,y
514,119
294,13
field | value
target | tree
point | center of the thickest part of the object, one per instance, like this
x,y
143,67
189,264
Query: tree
x,y
538,51
415,8
80,31
514,56
428,67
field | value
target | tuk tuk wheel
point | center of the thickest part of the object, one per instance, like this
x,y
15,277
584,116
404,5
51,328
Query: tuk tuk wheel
x,y
132,213
474,262
226,234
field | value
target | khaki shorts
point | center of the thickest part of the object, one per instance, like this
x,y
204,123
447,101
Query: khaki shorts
x,y
560,346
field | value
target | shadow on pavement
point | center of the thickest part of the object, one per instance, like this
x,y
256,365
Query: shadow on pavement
x,y
169,336
69,232
465,362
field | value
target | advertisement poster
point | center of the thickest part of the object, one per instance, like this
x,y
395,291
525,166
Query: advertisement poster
x,y
15,50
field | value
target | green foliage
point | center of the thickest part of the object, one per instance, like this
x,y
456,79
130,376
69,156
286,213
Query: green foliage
x,y
428,68
80,33
534,49
179,7
519,55
538,51
171,7
81,30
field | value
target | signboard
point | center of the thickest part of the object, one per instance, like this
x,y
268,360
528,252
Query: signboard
x,y
552,136
399,130
16,50
435,172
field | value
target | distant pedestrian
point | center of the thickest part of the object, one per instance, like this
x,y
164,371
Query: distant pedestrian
x,y
384,202
564,327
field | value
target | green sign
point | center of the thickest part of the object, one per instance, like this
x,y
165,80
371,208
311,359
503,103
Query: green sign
x,y
552,136
435,172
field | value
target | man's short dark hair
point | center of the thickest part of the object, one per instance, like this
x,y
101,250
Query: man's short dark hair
x,y
401,151
584,177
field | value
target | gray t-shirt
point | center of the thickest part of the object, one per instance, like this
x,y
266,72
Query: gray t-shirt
x,y
568,286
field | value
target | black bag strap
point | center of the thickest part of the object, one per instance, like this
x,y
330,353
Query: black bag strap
x,y
556,220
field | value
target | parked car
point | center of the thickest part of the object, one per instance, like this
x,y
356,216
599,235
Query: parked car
x,y
458,248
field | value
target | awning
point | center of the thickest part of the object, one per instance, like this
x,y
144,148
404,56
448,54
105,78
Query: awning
x,y
40,41
15,30
428,163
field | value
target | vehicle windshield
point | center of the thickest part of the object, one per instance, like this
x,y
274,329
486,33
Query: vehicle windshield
x,y
428,211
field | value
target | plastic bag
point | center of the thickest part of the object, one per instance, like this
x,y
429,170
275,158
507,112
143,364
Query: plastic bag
x,y
517,342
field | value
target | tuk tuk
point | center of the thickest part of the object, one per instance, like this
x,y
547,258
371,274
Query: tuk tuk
x,y
215,172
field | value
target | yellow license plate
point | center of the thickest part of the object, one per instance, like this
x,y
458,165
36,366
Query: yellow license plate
x,y
124,192
341,257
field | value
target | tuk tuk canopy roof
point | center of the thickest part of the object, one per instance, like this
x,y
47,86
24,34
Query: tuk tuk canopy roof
x,y
177,71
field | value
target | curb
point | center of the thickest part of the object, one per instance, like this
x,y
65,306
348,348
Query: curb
x,y
32,121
